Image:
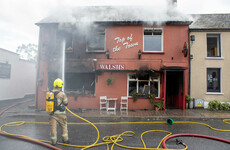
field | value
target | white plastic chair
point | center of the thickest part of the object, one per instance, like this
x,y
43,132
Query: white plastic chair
x,y
124,103
103,102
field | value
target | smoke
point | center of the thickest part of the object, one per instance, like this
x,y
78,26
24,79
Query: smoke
x,y
157,11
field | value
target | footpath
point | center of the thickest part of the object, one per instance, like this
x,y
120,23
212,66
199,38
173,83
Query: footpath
x,y
28,109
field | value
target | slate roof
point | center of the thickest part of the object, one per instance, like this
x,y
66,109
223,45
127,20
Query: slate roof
x,y
210,22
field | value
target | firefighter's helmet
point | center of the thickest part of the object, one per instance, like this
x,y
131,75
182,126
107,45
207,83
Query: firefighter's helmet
x,y
58,83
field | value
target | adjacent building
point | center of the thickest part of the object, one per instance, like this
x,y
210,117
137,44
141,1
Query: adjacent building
x,y
114,57
210,57
17,76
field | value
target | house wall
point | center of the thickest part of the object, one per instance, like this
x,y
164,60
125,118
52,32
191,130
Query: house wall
x,y
200,63
22,78
174,38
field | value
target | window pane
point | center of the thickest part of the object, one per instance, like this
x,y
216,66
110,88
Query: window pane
x,y
96,42
68,43
154,88
132,76
141,86
152,43
132,87
213,46
83,83
213,80
143,76
5,70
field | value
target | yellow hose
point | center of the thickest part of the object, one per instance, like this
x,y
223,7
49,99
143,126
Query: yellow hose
x,y
115,138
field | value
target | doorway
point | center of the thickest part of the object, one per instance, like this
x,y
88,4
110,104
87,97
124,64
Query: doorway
x,y
174,90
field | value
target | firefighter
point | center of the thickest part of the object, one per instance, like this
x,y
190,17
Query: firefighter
x,y
58,116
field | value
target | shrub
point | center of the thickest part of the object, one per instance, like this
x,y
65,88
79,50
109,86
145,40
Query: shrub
x,y
224,106
188,98
214,105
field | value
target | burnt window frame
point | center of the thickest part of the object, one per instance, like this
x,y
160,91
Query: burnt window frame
x,y
137,80
68,49
152,31
98,31
219,45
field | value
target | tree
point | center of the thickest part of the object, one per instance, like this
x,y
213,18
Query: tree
x,y
28,52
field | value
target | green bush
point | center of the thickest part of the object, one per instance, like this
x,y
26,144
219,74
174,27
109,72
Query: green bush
x,y
224,106
214,105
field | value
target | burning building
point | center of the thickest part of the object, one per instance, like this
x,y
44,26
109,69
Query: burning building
x,y
114,52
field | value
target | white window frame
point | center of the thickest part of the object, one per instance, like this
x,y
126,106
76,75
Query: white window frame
x,y
156,29
137,89
96,50
219,45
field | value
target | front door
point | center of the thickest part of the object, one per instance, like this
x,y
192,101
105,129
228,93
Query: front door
x,y
174,89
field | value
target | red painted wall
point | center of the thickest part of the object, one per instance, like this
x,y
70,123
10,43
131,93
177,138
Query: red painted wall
x,y
173,41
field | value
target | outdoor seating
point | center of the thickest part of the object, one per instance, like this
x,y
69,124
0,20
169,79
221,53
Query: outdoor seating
x,y
124,103
103,102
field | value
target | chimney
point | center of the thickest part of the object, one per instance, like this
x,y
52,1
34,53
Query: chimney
x,y
172,3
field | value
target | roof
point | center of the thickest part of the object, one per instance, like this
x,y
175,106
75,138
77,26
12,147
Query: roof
x,y
115,14
210,22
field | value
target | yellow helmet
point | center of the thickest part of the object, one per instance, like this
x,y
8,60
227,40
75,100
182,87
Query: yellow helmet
x,y
58,83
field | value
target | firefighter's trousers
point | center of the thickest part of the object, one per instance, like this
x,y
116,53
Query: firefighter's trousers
x,y
60,119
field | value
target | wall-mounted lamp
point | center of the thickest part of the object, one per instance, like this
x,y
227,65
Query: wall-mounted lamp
x,y
107,54
139,54
192,38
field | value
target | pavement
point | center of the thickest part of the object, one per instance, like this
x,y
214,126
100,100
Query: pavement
x,y
28,109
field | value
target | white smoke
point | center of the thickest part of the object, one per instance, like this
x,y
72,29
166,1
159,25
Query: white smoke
x,y
157,11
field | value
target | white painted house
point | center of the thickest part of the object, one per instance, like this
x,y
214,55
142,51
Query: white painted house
x,y
17,76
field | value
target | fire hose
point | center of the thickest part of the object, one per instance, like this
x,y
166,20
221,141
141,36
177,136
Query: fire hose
x,y
115,139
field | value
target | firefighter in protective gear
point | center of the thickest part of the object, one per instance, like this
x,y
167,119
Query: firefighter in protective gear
x,y
58,116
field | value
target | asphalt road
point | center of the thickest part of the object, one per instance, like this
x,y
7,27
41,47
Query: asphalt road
x,y
82,134
86,134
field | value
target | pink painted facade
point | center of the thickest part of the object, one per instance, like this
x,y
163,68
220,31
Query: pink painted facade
x,y
169,67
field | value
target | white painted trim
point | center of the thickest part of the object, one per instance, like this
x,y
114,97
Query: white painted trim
x,y
162,41
213,93
214,58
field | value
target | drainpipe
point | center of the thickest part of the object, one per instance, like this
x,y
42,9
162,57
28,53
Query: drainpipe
x,y
189,83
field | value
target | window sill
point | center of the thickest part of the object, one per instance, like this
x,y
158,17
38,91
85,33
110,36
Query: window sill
x,y
96,51
214,93
214,58
153,52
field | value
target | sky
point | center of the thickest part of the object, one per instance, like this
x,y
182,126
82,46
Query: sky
x,y
18,17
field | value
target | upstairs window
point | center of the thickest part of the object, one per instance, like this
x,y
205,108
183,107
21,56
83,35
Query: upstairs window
x,y
96,41
153,40
68,43
213,45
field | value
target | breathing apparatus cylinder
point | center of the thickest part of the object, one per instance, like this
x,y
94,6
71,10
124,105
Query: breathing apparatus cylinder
x,y
49,102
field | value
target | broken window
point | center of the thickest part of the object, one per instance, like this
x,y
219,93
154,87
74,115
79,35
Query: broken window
x,y
96,41
143,84
213,79
5,70
81,83
68,43
213,45
153,40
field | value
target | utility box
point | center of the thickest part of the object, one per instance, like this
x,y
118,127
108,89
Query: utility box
x,y
198,103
